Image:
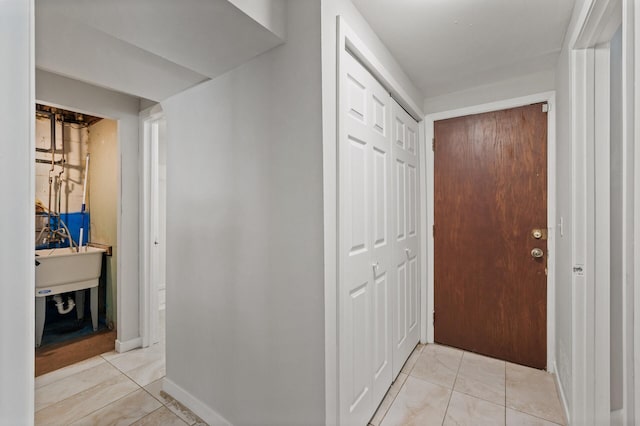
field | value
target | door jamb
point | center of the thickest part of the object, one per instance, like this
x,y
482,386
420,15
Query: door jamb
x,y
427,193
148,292
590,319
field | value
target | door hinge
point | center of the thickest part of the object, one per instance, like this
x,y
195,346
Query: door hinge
x,y
434,317
433,231
433,144
545,107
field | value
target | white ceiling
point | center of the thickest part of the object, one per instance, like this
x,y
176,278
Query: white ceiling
x,y
148,48
451,45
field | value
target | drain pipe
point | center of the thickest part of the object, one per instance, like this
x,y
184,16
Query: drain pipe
x,y
84,200
59,191
60,304
52,169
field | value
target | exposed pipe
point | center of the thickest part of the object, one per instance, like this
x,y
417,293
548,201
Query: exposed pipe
x,y
84,200
50,116
60,304
52,120
67,233
57,151
63,233
57,163
59,192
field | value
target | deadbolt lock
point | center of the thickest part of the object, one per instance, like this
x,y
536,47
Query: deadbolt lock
x,y
537,253
539,234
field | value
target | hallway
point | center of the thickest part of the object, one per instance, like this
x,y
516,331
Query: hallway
x,y
442,385
438,385
339,174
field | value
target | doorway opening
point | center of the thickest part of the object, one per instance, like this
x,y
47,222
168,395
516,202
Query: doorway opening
x,y
76,221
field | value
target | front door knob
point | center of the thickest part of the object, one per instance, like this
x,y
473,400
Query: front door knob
x,y
537,253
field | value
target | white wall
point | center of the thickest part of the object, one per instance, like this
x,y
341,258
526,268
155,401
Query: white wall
x,y
268,13
162,213
102,201
530,84
245,312
616,226
330,10
17,154
564,213
77,96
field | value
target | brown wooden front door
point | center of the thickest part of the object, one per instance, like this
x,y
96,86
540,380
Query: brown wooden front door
x,y
490,194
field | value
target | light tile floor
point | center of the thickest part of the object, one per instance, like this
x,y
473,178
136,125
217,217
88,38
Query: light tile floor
x,y
445,386
111,389
438,385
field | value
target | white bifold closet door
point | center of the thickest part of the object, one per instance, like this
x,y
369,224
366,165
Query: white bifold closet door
x,y
406,242
365,243
377,321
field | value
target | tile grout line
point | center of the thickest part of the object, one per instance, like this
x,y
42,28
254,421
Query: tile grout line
x,y
129,370
393,400
537,417
518,410
82,391
401,387
147,415
527,413
104,406
466,393
36,386
166,405
153,396
120,372
60,380
452,388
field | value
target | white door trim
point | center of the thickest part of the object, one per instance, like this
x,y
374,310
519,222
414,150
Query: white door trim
x,y
631,16
148,293
591,223
427,189
347,38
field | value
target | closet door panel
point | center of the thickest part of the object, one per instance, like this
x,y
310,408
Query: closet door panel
x,y
364,157
381,252
406,244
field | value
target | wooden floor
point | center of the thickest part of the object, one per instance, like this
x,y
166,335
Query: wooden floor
x,y
53,357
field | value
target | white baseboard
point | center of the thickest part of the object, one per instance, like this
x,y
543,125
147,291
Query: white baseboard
x,y
198,407
617,417
125,346
560,390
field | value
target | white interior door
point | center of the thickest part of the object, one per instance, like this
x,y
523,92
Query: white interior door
x,y
406,244
154,228
153,223
365,260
